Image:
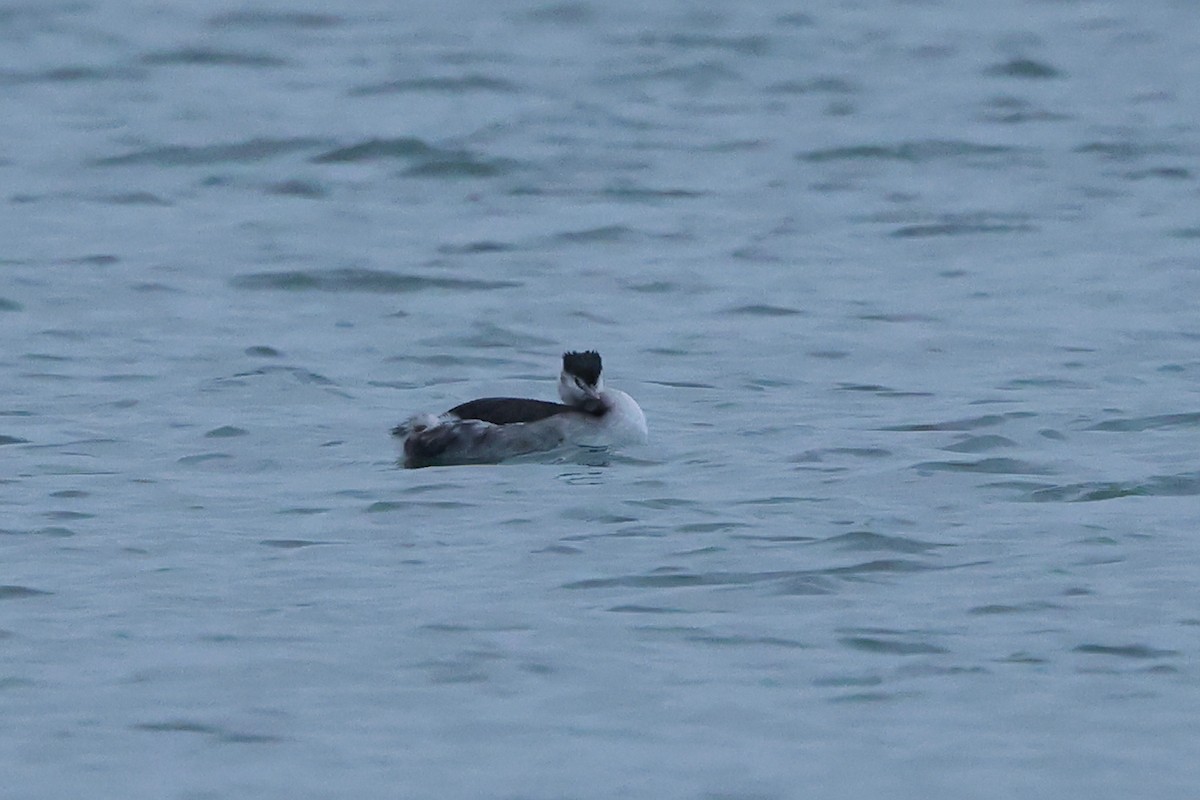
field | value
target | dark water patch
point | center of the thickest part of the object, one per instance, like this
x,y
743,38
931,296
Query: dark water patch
x,y
661,503
95,260
225,431
4,439
557,549
406,147
203,458
879,390
870,644
896,317
566,13
308,190
386,506
990,466
136,199
1161,173
1023,68
814,456
453,85
642,194
782,538
883,566
877,542
302,511
664,287
968,424
218,733
710,527
871,697
1124,150
462,164
251,150
206,56
959,227
1156,422
1185,485
980,444
11,592
10,305
1018,608
476,248
1009,110
53,531
776,500
275,19
66,516
848,681
764,310
1125,651
262,351
746,641
1042,383
674,580
359,280
701,76
1186,233
602,235
289,544
70,74
636,609
72,494
804,586
913,152
747,45
294,373
830,85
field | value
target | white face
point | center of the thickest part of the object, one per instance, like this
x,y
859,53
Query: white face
x,y
572,390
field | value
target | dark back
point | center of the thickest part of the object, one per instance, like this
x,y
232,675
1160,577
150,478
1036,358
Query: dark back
x,y
507,410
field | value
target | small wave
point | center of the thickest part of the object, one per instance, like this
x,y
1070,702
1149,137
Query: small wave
x,y
1125,651
453,85
275,19
11,592
377,149
916,152
901,647
979,444
1185,485
968,424
1023,68
1152,423
359,280
990,466
870,541
185,155
206,56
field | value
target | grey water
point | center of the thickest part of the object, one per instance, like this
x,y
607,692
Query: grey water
x,y
907,290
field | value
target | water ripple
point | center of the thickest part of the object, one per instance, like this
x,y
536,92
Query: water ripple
x,y
1152,423
359,280
183,155
915,152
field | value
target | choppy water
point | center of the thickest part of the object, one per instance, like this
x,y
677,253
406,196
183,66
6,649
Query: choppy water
x,y
907,290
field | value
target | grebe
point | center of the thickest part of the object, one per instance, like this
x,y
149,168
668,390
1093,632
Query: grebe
x,y
491,429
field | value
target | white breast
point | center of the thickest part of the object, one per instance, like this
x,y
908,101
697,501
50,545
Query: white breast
x,y
623,424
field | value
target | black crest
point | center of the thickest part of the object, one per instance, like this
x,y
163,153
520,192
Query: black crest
x,y
583,365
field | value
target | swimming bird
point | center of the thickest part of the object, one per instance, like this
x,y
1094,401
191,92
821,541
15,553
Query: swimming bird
x,y
491,429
